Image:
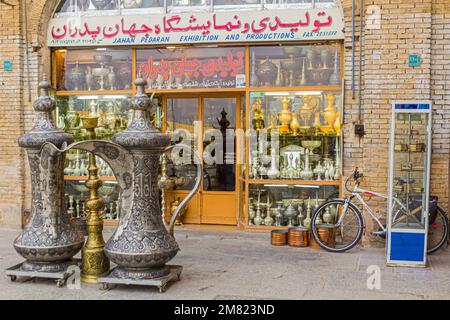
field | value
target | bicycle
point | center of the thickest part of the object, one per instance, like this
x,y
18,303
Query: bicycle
x,y
340,213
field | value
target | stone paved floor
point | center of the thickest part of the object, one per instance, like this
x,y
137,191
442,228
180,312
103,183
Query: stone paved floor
x,y
238,265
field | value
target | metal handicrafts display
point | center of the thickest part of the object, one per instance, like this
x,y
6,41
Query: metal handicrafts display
x,y
142,243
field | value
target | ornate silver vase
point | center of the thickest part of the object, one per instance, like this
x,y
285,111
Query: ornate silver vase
x,y
49,240
142,245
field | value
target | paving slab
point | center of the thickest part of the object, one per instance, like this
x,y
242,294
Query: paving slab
x,y
228,265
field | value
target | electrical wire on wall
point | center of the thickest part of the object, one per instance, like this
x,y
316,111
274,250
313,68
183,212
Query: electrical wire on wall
x,y
27,60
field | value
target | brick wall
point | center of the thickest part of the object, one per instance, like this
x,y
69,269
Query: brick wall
x,y
11,115
420,27
440,94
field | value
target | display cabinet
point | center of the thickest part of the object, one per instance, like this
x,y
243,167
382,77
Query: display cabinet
x,y
293,66
286,204
112,111
90,70
294,142
410,150
296,135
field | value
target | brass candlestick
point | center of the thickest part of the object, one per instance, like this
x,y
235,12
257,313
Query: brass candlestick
x,y
285,116
94,260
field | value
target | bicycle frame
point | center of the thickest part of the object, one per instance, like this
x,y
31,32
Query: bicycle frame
x,y
356,193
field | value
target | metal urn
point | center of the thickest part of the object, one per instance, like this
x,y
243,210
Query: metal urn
x,y
267,73
49,240
142,244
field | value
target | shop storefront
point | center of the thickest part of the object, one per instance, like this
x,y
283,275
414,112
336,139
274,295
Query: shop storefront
x,y
265,79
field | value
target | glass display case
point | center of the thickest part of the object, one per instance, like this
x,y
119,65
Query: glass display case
x,y
295,135
293,66
98,69
112,111
194,68
410,150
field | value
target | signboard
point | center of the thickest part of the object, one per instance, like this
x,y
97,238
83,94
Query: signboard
x,y
193,68
414,60
190,28
7,65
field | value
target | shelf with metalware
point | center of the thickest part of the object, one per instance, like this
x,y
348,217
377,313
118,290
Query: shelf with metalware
x,y
294,145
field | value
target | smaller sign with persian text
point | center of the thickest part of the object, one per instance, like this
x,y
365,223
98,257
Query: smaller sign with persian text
x,y
189,28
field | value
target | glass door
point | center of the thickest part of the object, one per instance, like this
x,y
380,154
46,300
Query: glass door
x,y
208,124
219,155
182,116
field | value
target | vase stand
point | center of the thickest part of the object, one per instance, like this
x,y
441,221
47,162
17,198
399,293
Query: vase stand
x,y
61,277
174,275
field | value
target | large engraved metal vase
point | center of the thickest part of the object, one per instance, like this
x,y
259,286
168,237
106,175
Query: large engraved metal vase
x,y
142,245
49,240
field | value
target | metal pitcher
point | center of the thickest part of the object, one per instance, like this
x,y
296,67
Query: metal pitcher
x,y
49,240
142,244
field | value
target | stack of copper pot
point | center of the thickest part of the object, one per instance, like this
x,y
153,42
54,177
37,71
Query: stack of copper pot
x,y
294,237
301,237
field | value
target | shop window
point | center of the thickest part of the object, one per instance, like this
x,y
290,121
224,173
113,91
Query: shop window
x,y
288,205
111,110
295,136
192,68
112,118
98,69
292,66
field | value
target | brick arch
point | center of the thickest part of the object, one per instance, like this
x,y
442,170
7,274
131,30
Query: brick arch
x,y
39,16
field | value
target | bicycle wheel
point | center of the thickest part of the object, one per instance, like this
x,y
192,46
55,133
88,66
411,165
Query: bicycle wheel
x,y
438,231
346,234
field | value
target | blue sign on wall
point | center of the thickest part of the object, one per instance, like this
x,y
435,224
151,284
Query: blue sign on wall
x,y
7,65
414,60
